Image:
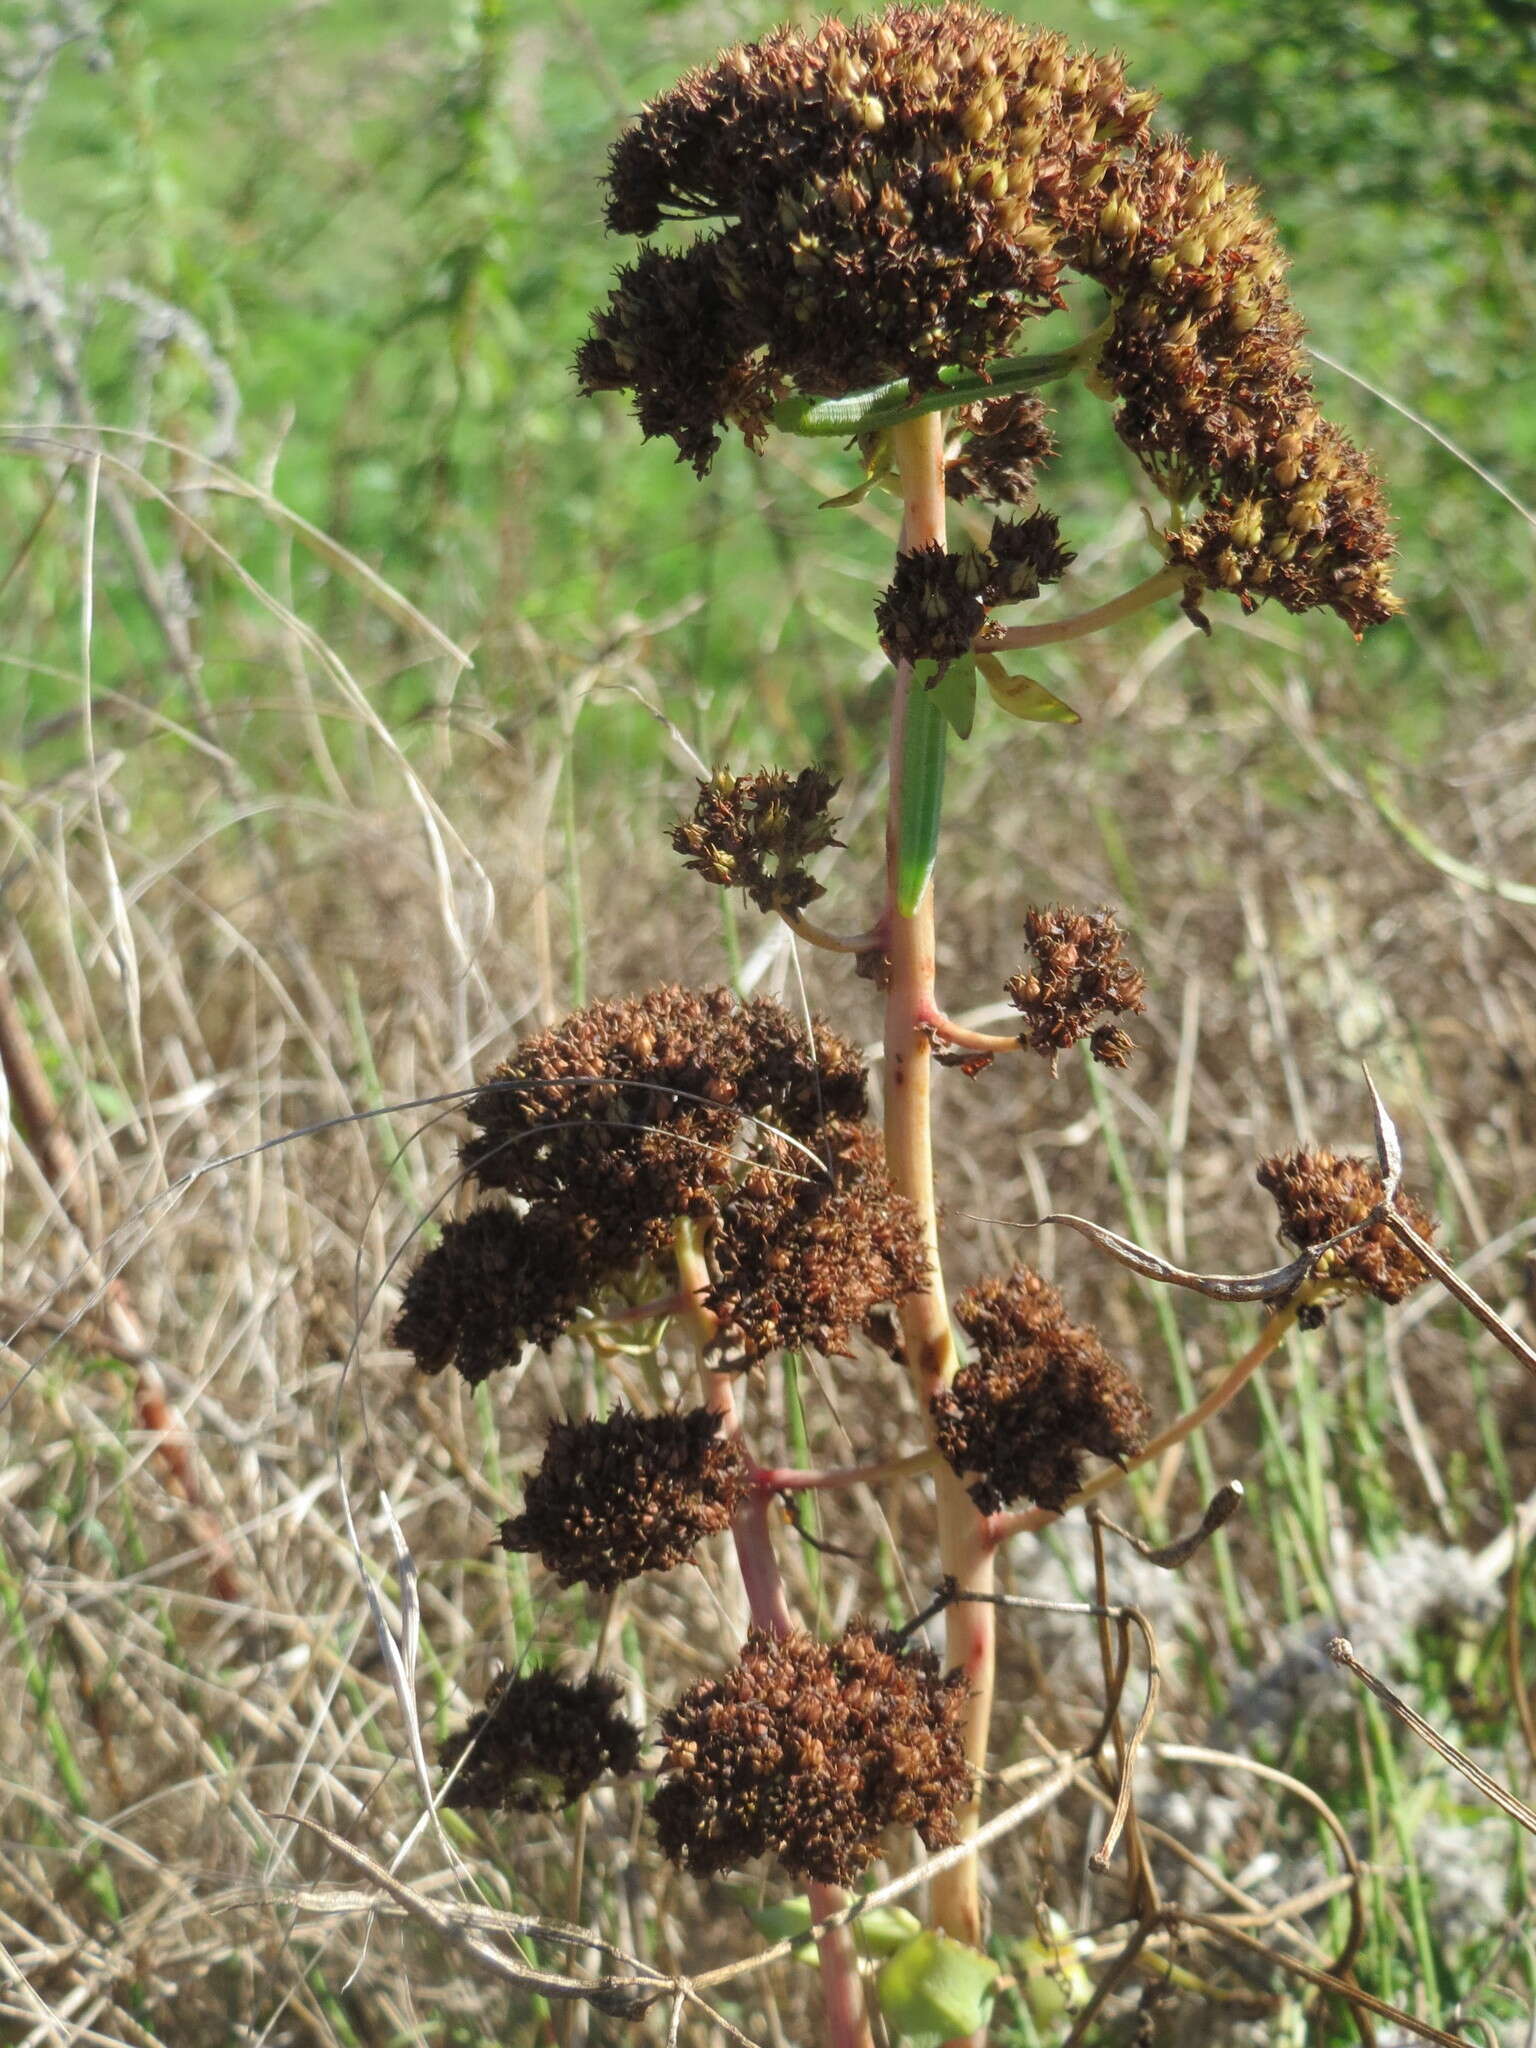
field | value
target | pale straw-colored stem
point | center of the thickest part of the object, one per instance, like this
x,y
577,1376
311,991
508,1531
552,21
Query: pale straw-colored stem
x,y
966,1552
841,1991
784,1479
1152,591
1226,1389
815,934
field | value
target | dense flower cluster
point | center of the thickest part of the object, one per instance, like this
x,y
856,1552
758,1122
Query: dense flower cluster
x,y
932,607
1319,1195
627,1494
904,192
812,1750
1005,443
1023,554
755,832
804,1256
538,1743
1205,354
1039,1392
606,1130
886,188
1080,973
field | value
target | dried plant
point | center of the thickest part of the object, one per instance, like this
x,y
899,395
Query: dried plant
x,y
889,203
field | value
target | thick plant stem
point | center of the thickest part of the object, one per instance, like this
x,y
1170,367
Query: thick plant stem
x,y
841,1991
966,1553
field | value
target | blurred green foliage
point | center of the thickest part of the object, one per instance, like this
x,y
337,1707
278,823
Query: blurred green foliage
x,y
383,221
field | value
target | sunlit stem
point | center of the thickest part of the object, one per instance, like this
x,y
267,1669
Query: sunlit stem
x,y
1226,1389
1163,583
842,1993
966,1551
830,942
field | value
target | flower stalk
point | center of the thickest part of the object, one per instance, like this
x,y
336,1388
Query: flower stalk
x,y
966,1553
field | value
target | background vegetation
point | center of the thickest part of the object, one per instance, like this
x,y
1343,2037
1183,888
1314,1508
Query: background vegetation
x,y
273,852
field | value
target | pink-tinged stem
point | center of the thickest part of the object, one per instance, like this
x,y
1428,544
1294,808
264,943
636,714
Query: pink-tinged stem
x,y
830,942
784,1479
965,1548
842,1992
1001,1527
964,1039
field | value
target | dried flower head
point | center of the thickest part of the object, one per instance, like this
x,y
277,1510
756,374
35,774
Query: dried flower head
x,y
932,607
1022,555
1039,1392
610,1127
539,1742
493,1282
1319,1195
1205,354
804,1254
887,189
1005,445
626,1495
904,192
1081,972
755,832
812,1750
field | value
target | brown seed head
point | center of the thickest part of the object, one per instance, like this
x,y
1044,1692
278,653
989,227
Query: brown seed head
x,y
887,189
495,1281
811,1751
755,832
1081,971
627,1495
1319,1195
905,192
539,1742
932,608
1022,555
1040,1391
804,1255
1006,444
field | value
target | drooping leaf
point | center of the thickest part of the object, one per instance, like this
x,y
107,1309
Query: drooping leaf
x,y
935,1989
922,797
1022,697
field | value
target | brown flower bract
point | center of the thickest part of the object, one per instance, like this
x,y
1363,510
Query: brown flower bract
x,y
626,1495
539,1742
1040,1391
812,1750
1319,1195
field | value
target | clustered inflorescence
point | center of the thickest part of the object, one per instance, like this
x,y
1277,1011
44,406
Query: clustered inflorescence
x,y
539,1742
627,1494
1080,973
812,1750
1039,1392
756,832
904,193
631,1115
1319,1195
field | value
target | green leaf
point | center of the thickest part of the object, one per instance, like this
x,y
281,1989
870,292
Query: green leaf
x,y
787,1921
952,686
934,1989
1022,697
922,797
885,1929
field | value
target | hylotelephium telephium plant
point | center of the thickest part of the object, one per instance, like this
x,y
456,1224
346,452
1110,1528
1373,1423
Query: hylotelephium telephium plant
x,y
895,199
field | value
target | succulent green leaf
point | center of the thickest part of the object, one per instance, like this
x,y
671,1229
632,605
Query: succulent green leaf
x,y
935,1989
789,1920
1022,697
885,1930
922,797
